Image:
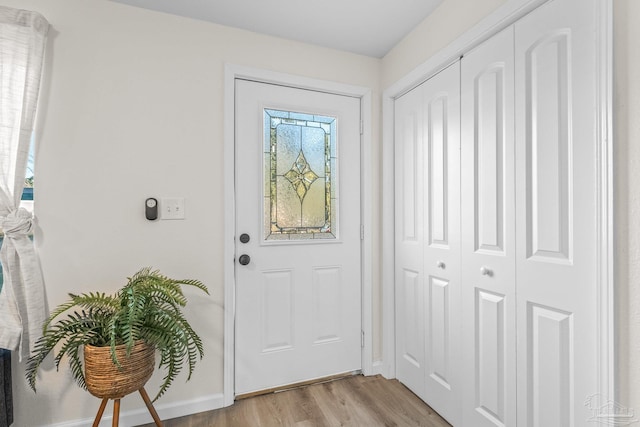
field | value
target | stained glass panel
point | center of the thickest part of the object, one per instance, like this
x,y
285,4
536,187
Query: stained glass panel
x,y
300,173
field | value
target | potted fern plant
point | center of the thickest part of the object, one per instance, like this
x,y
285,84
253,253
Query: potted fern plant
x,y
119,335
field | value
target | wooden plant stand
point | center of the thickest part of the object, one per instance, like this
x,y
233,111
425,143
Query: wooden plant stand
x,y
116,410
106,381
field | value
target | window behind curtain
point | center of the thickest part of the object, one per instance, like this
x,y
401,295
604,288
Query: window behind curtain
x,y
27,192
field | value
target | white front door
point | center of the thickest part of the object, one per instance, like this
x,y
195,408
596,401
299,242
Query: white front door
x,y
298,228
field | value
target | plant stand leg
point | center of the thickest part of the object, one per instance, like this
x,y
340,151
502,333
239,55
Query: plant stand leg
x,y
116,412
150,407
100,412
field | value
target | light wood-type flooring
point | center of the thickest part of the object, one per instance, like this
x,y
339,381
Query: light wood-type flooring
x,y
352,401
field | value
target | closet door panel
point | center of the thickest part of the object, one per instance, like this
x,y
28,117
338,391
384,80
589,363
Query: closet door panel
x,y
427,168
437,169
410,241
550,366
442,249
548,145
557,216
489,159
489,391
439,345
488,233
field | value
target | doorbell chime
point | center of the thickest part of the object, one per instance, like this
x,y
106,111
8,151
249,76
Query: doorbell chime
x,y
151,209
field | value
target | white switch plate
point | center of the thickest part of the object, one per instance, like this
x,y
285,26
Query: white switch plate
x,y
172,208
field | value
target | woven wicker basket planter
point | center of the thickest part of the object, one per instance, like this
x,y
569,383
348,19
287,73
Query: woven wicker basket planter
x,y
106,381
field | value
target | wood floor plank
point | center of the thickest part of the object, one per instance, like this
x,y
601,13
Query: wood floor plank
x,y
354,401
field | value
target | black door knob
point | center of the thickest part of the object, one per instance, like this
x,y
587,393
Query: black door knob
x,y
244,259
244,238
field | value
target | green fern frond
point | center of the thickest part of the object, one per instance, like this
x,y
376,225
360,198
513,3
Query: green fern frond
x,y
91,300
173,368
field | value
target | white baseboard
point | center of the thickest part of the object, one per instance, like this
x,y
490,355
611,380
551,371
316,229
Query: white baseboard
x,y
380,368
165,412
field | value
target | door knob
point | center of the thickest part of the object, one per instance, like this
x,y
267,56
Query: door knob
x,y
485,271
244,259
244,238
441,264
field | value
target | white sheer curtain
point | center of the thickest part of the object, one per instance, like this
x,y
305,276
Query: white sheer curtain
x,y
22,308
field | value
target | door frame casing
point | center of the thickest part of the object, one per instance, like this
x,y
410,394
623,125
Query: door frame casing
x,y
500,19
232,73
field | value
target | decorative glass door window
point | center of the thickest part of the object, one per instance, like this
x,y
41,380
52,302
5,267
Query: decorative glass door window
x,y
300,198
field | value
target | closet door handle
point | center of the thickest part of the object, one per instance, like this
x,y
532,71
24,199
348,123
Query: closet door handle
x,y
485,271
441,264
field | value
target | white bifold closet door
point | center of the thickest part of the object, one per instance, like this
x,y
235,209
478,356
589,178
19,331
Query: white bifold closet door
x,y
529,280
497,263
488,229
427,164
557,265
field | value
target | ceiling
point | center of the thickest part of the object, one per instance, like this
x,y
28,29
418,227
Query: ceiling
x,y
366,27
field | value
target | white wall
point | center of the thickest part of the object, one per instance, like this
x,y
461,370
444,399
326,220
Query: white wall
x,y
132,107
627,174
450,20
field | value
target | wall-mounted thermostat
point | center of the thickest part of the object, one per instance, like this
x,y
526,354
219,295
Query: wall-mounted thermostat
x,y
151,209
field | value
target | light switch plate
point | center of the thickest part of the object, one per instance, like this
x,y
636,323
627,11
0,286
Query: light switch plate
x,y
172,208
